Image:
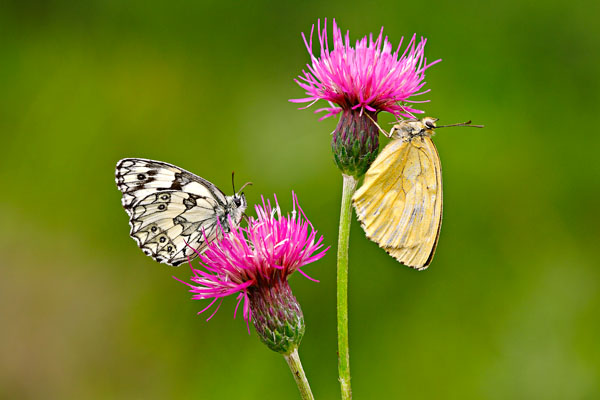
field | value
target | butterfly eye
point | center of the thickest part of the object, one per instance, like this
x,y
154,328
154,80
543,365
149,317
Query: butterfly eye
x,y
237,201
141,177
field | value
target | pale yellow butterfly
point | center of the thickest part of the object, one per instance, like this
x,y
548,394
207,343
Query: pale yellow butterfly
x,y
399,204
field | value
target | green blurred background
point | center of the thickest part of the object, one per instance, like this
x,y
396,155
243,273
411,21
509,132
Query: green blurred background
x,y
509,309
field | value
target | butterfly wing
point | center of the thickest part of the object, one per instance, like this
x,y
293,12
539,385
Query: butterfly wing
x,y
400,203
168,207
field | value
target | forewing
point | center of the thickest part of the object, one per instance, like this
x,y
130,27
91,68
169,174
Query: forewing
x,y
138,177
401,206
168,207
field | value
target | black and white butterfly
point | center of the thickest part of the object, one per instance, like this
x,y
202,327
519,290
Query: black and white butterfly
x,y
172,211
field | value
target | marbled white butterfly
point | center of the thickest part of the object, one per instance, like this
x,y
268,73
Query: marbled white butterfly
x,y
169,207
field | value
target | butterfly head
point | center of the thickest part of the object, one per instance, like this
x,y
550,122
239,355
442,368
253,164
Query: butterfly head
x,y
429,123
238,204
239,200
409,129
235,208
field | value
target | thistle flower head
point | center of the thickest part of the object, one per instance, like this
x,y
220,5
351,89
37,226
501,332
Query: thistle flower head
x,y
254,264
360,82
366,77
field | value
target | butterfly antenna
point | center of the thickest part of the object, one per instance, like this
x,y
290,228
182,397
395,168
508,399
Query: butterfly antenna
x,y
233,181
245,184
466,124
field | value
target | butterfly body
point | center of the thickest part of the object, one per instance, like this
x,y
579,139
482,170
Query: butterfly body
x,y
399,204
173,213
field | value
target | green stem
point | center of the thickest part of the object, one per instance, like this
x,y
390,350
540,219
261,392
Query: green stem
x,y
342,285
293,360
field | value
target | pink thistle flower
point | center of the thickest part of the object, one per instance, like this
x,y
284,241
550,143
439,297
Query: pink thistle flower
x,y
254,263
366,77
360,82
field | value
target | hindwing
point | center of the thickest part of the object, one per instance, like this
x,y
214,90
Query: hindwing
x,y
400,202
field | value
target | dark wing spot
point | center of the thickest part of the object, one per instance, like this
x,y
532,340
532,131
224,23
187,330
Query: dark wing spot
x,y
162,207
176,185
152,172
179,220
179,181
141,177
153,229
190,203
163,239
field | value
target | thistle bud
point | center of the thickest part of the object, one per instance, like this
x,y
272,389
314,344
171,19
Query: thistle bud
x,y
355,142
277,316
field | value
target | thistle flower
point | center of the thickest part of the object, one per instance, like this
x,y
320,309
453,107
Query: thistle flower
x,y
255,263
360,82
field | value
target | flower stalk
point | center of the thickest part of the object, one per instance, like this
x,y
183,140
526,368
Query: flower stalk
x,y
293,360
348,189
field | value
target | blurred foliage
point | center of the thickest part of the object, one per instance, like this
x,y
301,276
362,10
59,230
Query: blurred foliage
x,y
509,307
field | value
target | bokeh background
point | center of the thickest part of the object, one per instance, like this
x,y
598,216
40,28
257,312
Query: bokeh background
x,y
509,309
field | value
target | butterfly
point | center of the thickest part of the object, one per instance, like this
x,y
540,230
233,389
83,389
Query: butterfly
x,y
173,213
399,204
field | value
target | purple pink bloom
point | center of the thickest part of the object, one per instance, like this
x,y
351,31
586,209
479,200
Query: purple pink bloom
x,y
367,76
254,263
